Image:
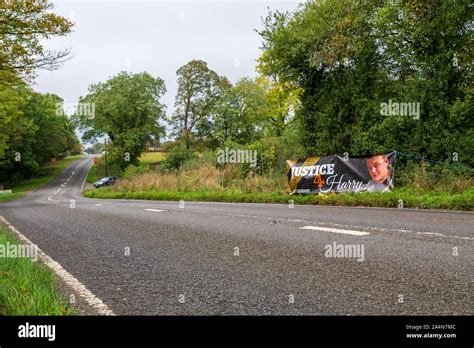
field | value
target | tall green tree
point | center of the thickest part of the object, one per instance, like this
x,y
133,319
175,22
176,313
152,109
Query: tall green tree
x,y
128,110
242,112
38,133
349,56
199,89
282,101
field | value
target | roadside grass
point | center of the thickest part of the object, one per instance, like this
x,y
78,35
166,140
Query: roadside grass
x,y
46,174
92,175
151,157
27,287
11,197
208,183
399,198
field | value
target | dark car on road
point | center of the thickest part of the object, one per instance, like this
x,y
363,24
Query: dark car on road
x,y
110,180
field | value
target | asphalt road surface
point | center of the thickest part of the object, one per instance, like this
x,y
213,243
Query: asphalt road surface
x,y
166,258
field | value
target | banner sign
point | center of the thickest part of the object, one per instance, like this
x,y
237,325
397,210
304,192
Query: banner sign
x,y
372,173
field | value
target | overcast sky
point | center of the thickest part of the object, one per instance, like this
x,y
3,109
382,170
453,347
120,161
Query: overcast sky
x,y
156,36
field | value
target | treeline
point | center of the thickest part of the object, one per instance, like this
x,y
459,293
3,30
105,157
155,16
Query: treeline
x,y
33,126
350,58
210,113
335,77
34,130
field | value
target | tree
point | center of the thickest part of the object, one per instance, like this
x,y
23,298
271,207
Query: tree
x,y
23,26
199,88
349,56
10,112
243,112
31,129
39,132
283,103
127,109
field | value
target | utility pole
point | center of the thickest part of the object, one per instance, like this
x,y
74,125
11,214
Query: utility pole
x,y
106,153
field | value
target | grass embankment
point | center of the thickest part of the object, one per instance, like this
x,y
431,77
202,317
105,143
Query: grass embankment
x,y
27,287
210,184
45,174
92,175
408,198
11,197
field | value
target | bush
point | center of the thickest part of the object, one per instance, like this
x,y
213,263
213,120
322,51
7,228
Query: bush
x,y
177,156
113,169
432,177
133,170
208,158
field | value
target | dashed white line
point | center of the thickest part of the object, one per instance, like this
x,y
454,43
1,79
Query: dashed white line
x,y
335,230
158,210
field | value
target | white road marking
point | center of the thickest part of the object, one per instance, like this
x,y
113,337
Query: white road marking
x,y
99,204
262,217
335,230
75,284
154,210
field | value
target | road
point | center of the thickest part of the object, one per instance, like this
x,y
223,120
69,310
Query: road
x,y
163,258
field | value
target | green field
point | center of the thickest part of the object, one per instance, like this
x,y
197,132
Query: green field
x,y
151,157
27,287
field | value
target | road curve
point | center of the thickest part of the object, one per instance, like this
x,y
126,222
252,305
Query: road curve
x,y
160,258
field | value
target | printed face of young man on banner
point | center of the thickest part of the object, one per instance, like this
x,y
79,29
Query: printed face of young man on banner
x,y
378,168
380,171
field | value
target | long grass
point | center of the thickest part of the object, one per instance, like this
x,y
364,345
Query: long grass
x,y
92,175
204,178
27,287
402,198
207,183
11,197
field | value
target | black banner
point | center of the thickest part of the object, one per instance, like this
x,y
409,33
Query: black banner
x,y
372,173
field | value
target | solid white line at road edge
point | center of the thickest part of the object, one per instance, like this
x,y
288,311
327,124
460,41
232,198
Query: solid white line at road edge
x,y
335,230
75,284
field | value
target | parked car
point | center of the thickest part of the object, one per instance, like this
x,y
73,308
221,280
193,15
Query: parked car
x,y
110,180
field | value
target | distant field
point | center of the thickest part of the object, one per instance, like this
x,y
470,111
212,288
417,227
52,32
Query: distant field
x,y
152,157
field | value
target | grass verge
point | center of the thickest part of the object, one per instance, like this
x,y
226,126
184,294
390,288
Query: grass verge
x,y
92,175
11,197
27,287
406,198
